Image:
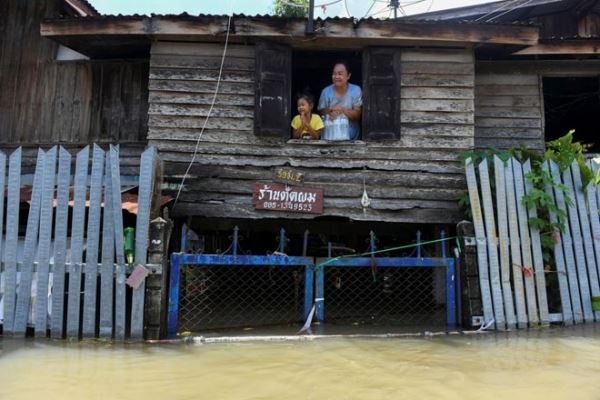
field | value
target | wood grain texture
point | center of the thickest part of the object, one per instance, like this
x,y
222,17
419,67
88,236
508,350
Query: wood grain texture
x,y
12,234
567,244
45,101
503,243
559,259
29,249
508,109
436,122
60,244
481,241
492,245
77,240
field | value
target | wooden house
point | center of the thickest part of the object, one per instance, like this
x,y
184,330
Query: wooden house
x,y
53,95
542,91
215,95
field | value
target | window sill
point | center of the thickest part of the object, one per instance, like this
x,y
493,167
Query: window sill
x,y
309,142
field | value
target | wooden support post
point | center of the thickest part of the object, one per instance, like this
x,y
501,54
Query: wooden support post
x,y
470,291
157,284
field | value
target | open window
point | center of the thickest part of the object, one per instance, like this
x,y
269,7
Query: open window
x,y
282,74
572,103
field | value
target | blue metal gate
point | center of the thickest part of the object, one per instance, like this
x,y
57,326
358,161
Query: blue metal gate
x,y
374,286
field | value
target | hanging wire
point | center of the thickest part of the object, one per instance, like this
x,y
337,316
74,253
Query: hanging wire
x,y
212,105
507,11
502,7
370,8
430,5
382,10
346,8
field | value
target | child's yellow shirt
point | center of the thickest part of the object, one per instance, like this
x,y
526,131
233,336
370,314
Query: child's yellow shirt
x,y
315,122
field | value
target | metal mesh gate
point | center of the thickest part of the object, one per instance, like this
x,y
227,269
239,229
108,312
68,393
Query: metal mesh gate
x,y
220,297
231,291
209,291
386,297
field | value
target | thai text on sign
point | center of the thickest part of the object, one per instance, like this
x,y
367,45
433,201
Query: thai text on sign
x,y
289,176
277,197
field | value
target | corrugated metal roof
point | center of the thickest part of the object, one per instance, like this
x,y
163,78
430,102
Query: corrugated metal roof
x,y
573,38
186,16
505,10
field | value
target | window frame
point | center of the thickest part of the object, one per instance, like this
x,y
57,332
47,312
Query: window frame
x,y
378,81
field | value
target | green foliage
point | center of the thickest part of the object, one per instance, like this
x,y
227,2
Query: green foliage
x,y
291,8
563,151
478,156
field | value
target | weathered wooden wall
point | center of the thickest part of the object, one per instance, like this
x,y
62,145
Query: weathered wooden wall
x,y
414,179
508,108
73,102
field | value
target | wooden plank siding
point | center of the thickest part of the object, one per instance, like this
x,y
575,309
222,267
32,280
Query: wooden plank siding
x,y
75,103
508,110
414,179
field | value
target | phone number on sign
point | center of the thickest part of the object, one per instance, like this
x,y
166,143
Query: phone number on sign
x,y
287,205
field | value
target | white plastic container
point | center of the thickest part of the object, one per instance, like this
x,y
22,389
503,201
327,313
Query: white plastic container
x,y
337,129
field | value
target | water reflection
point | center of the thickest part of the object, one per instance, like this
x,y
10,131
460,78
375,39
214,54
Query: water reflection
x,y
536,364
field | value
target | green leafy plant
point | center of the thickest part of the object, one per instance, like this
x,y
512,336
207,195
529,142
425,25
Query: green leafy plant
x,y
563,151
539,198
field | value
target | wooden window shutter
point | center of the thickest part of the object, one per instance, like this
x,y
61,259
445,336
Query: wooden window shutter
x,y
381,94
273,89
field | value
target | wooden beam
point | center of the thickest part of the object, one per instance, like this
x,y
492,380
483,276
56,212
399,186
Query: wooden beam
x,y
562,47
289,29
90,27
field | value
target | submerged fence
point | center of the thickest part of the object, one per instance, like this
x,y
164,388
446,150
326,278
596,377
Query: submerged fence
x,y
71,279
517,287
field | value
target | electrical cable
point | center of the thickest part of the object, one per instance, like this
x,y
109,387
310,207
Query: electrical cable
x,y
430,5
384,9
185,175
502,7
370,8
507,11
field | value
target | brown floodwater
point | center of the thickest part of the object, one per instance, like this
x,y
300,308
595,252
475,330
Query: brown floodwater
x,y
557,363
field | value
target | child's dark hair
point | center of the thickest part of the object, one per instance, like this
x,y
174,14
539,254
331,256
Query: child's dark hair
x,y
306,96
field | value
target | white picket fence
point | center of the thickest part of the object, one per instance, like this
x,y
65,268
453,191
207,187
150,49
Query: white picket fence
x,y
53,260
512,276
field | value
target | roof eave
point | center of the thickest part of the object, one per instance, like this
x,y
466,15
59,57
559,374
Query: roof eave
x,y
101,37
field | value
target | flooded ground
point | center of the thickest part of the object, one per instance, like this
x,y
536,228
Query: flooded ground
x,y
558,363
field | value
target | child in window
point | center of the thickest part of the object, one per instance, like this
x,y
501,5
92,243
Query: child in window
x,y
306,125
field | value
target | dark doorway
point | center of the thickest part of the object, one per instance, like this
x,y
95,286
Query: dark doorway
x,y
572,103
